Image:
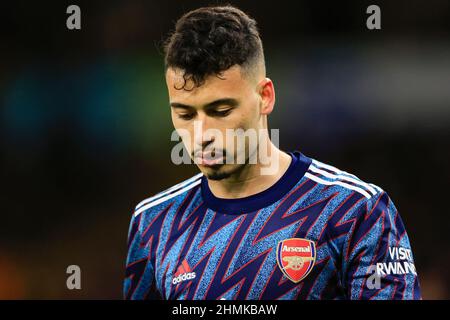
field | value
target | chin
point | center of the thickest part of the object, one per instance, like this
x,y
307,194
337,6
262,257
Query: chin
x,y
217,173
221,172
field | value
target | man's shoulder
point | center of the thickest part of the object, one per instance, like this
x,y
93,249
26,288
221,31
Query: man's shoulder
x,y
347,195
348,198
168,195
331,179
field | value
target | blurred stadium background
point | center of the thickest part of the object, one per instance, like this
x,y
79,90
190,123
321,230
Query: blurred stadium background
x,y
85,124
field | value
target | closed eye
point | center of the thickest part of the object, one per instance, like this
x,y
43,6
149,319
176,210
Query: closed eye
x,y
220,113
186,116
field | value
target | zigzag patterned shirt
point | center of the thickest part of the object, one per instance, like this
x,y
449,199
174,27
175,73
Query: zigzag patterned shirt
x,y
317,233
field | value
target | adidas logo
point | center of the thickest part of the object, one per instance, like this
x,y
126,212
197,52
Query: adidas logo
x,y
183,273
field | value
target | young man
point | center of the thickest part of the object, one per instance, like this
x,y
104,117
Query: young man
x,y
306,230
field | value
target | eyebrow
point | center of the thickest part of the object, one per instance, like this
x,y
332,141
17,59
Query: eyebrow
x,y
227,101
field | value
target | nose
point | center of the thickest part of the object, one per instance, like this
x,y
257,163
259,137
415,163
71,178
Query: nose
x,y
202,133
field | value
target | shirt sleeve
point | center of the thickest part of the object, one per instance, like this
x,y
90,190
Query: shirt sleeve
x,y
139,283
377,258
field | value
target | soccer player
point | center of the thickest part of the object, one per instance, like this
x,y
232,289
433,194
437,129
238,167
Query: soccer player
x,y
307,230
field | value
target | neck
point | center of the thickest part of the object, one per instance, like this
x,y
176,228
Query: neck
x,y
253,178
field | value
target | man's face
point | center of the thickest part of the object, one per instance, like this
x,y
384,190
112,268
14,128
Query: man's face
x,y
229,102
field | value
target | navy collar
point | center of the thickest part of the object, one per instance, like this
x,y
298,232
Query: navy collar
x,y
296,170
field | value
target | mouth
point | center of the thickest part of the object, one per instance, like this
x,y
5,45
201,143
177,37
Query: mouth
x,y
209,159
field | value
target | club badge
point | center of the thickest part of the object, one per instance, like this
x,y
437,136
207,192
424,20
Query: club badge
x,y
296,257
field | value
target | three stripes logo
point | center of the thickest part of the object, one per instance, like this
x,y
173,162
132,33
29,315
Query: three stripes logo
x,y
183,273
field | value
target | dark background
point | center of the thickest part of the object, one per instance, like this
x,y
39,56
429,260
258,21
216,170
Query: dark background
x,y
85,124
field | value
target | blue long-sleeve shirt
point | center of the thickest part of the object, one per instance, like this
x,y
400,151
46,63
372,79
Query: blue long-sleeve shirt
x,y
317,233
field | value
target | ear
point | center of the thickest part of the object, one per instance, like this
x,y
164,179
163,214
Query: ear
x,y
266,91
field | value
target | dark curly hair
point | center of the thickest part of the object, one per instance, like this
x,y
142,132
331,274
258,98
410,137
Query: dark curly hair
x,y
210,40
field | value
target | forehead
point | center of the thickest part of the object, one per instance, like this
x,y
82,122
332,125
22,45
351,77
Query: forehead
x,y
231,83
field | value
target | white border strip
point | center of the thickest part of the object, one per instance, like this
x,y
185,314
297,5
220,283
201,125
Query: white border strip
x,y
154,203
327,166
163,193
345,185
376,187
342,177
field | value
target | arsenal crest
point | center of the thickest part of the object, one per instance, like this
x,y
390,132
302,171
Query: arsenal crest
x,y
296,257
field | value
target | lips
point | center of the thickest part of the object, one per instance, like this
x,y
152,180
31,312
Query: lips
x,y
208,158
209,162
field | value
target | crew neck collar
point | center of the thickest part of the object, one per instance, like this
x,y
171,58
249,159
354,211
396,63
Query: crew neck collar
x,y
296,170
